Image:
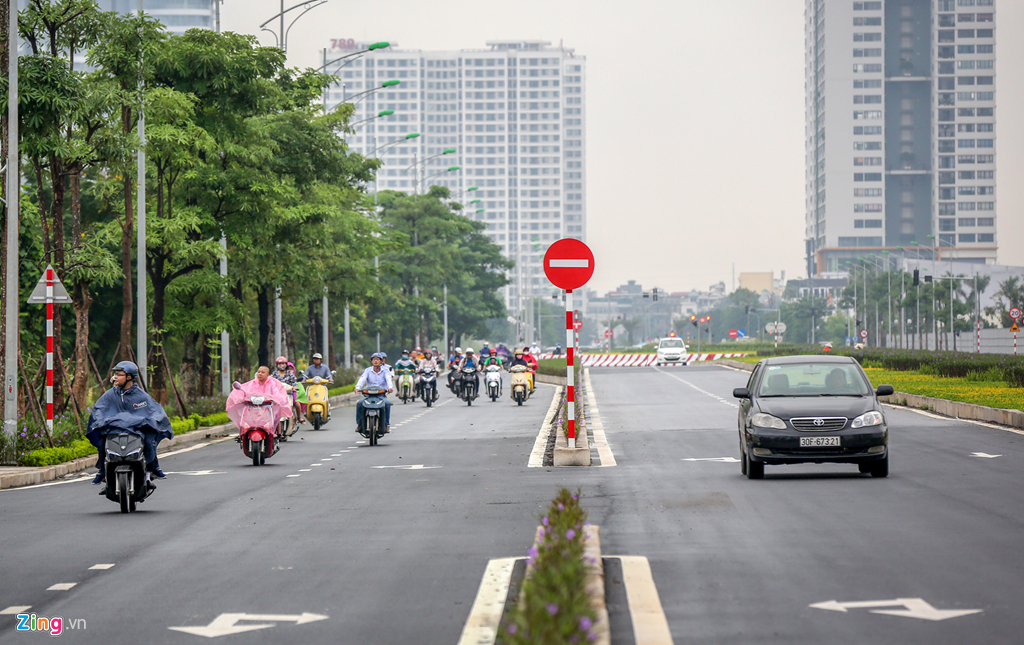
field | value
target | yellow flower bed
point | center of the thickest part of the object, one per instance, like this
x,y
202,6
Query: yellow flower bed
x,y
994,394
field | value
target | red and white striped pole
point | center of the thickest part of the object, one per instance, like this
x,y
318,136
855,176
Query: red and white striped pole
x,y
570,399
49,350
977,327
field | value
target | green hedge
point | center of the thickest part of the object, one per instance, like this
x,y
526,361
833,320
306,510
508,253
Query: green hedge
x,y
344,389
51,456
219,418
551,366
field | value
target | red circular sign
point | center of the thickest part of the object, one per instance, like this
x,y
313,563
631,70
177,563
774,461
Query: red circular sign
x,y
569,263
733,333
863,333
607,333
577,325
1015,313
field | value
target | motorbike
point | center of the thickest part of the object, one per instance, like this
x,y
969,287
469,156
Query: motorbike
x,y
125,469
318,408
289,425
406,386
257,428
455,384
373,414
428,386
520,384
468,386
492,381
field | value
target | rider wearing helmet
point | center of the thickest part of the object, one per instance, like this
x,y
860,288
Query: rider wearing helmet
x,y
127,407
453,364
491,358
291,383
406,362
521,358
471,361
317,368
378,377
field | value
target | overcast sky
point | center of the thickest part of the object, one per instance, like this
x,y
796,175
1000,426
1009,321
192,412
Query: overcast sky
x,y
695,118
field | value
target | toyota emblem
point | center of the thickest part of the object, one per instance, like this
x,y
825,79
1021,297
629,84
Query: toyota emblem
x,y
819,422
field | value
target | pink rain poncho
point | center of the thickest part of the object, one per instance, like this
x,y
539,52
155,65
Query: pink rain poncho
x,y
265,416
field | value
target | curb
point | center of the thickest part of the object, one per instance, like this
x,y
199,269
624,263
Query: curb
x,y
29,476
550,380
944,407
580,455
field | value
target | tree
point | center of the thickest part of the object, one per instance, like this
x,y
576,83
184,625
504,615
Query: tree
x,y
1009,295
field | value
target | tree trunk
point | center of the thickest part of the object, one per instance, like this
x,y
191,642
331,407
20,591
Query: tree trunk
x,y
127,228
189,370
158,381
313,323
81,297
263,304
289,342
207,373
243,368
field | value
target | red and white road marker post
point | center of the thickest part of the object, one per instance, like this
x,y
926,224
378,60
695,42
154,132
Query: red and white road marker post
x,y
1015,313
49,291
569,264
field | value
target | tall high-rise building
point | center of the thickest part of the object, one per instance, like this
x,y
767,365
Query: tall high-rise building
x,y
512,116
900,132
177,15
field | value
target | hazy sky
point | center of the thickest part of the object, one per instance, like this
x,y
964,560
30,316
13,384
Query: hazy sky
x,y
695,118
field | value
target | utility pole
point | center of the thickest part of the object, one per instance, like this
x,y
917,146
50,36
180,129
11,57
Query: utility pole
x,y
11,243
141,344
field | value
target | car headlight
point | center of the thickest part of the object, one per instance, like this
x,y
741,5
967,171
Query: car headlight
x,y
873,418
762,420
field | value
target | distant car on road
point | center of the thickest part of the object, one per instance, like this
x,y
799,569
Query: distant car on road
x,y
811,409
670,350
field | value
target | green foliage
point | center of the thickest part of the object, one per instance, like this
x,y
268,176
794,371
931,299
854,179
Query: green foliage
x,y
551,366
59,455
217,419
181,426
554,607
344,389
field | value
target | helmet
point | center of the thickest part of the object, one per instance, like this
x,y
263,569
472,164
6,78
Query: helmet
x,y
526,350
405,351
280,359
128,367
519,352
318,355
379,355
469,350
494,352
458,350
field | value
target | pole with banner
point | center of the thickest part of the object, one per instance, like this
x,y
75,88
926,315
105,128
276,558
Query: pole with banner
x,y
569,264
49,291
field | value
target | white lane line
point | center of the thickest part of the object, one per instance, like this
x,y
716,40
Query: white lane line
x,y
711,394
15,609
293,475
604,451
729,367
340,452
101,567
305,470
984,455
482,624
984,424
62,586
326,459
650,627
540,444
316,464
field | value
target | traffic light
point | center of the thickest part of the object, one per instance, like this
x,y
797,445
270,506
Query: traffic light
x,y
917,277
748,310
927,278
693,320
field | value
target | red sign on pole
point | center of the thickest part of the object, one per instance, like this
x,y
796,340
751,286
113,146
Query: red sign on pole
x,y
569,264
608,333
733,333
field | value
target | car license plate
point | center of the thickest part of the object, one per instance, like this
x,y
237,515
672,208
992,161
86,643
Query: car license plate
x,y
819,442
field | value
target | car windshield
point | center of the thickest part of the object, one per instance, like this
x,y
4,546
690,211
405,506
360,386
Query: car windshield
x,y
813,379
671,343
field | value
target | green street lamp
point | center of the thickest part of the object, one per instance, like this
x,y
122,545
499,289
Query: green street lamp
x,y
363,94
379,115
369,48
400,140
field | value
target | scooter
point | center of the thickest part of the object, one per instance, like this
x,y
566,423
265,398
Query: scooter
x,y
406,387
318,408
428,386
492,381
289,425
373,414
257,429
468,388
125,469
520,384
455,384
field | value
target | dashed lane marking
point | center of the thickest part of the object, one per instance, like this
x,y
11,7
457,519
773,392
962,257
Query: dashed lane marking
x,y
702,391
293,475
650,627
61,586
305,470
101,567
15,609
482,624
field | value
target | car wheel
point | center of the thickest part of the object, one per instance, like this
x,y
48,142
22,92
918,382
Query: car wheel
x,y
755,469
743,459
864,468
880,468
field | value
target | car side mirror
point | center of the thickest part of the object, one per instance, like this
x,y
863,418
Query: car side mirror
x,y
884,390
741,393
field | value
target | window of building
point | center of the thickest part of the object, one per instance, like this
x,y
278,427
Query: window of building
x,y
985,49
947,115
963,96
867,161
965,112
967,237
965,207
869,37
986,96
947,146
984,80
986,174
965,17
965,222
986,237
947,193
947,208
986,190
946,20
946,83
946,130
965,159
867,176
965,80
867,67
867,22
984,112
946,178
947,35
967,190
985,17
966,174
986,221
947,67
867,145
867,115
867,129
986,158
867,6
986,143
874,52
946,98
947,51
867,192
946,162
965,49
960,33
867,98
985,64
985,33
965,127
947,224
867,83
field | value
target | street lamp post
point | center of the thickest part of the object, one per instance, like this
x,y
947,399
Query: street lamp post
x,y
281,36
13,192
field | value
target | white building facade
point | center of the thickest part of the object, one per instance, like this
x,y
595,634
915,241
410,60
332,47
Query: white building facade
x,y
900,130
513,119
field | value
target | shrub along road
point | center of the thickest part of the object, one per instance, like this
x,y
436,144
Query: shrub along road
x,y
390,545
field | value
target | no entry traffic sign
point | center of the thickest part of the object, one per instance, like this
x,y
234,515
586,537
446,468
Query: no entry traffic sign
x,y
733,333
568,264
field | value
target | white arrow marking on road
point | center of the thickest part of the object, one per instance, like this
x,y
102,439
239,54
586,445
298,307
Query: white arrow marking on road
x,y
226,623
724,460
984,455
416,467
914,608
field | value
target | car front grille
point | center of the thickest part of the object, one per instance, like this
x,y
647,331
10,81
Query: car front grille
x,y
818,423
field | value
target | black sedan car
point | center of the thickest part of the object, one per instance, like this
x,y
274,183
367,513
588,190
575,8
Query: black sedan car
x,y
812,409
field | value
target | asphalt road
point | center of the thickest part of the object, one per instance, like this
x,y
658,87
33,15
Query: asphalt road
x,y
396,554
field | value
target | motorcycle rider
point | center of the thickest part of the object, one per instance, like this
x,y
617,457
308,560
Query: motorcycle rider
x,y
491,358
317,368
287,377
524,359
127,405
378,377
428,362
453,365
407,363
471,361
